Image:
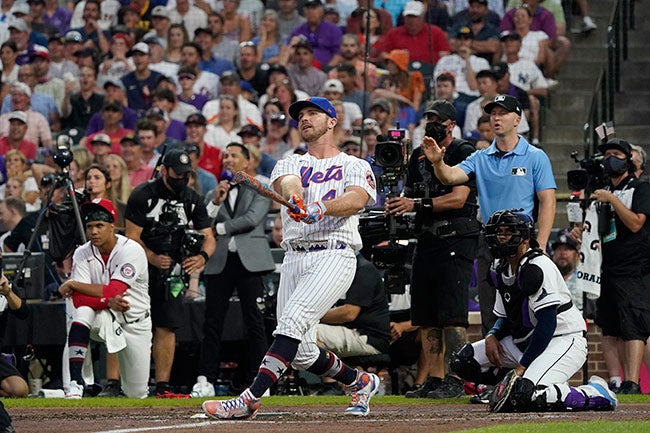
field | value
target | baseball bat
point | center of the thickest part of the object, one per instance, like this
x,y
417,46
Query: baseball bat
x,y
245,179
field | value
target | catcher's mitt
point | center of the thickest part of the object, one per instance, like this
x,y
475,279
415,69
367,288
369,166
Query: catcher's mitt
x,y
500,400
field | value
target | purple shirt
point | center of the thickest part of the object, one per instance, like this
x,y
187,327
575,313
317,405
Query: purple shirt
x,y
176,129
129,119
325,40
197,100
60,19
542,20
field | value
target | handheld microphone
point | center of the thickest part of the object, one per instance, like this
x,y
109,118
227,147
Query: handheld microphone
x,y
227,175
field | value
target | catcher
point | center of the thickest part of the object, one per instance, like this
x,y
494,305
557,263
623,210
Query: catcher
x,y
539,333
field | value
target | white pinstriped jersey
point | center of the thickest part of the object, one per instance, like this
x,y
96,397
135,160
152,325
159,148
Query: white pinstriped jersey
x,y
326,179
127,263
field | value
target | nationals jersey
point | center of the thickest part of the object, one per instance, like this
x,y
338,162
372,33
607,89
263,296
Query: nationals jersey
x,y
127,263
326,179
552,292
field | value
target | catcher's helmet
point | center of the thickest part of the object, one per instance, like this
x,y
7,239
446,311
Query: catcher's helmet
x,y
520,228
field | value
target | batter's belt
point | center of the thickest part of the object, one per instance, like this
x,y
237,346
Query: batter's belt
x,y
312,246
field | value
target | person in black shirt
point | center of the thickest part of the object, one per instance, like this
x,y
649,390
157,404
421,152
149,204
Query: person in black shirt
x,y
447,234
157,216
359,324
623,309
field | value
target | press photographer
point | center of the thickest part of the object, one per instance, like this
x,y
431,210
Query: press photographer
x,y
447,238
158,215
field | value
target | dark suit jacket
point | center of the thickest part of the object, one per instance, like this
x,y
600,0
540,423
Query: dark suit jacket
x,y
246,224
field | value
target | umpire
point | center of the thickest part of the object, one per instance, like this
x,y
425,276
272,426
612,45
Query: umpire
x,y
447,234
157,215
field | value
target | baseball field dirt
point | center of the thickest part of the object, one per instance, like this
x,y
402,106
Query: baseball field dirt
x,y
385,418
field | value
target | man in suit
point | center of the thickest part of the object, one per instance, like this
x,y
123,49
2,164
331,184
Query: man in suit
x,y
242,257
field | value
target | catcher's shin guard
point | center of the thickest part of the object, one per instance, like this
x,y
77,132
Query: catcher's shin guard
x,y
464,365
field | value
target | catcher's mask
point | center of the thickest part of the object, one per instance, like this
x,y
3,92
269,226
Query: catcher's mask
x,y
506,230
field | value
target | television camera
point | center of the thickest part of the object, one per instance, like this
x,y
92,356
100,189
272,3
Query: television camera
x,y
383,231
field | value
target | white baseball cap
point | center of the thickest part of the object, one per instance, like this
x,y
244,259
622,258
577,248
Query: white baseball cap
x,y
18,115
333,86
21,87
413,8
140,47
101,138
160,11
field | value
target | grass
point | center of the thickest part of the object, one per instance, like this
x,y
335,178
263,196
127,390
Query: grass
x,y
268,402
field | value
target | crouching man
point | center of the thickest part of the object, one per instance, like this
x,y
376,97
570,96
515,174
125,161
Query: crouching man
x,y
539,333
108,295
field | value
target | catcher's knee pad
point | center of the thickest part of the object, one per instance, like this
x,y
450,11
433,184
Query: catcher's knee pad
x,y
512,394
464,365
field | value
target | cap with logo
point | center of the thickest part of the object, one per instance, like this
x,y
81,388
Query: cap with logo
x,y
317,102
352,139
160,11
158,113
413,8
500,69
444,109
618,144
464,32
563,238
333,86
18,115
99,209
304,43
178,161
196,119
250,129
231,76
101,138
130,138
153,40
278,118
73,36
507,102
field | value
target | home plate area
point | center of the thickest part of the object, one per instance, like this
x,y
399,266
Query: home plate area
x,y
386,418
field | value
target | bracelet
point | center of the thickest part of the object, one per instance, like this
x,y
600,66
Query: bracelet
x,y
205,256
417,204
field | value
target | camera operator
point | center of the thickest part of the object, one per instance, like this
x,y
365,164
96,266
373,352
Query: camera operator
x,y
623,308
158,214
447,234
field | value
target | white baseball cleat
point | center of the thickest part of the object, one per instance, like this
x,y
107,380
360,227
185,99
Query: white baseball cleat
x,y
243,407
599,384
74,391
362,390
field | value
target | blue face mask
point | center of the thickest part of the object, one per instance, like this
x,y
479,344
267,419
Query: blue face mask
x,y
614,166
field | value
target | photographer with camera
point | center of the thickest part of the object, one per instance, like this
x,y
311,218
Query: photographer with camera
x,y
158,215
447,234
622,310
510,174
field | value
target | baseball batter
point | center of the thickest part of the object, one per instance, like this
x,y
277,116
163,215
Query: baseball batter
x,y
539,333
108,294
330,188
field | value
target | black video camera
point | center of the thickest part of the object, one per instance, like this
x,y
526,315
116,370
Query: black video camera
x,y
389,152
590,176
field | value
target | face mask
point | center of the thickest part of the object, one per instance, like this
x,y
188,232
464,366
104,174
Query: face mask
x,y
614,166
435,130
177,185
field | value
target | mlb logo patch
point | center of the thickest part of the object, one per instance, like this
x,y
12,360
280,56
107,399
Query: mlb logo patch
x,y
518,171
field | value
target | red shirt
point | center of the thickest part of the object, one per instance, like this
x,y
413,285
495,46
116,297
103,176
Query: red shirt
x,y
421,47
28,148
211,159
140,175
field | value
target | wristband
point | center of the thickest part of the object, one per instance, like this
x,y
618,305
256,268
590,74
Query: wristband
x,y
417,204
204,255
427,203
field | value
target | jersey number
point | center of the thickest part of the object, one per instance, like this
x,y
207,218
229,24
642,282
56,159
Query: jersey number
x,y
330,195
